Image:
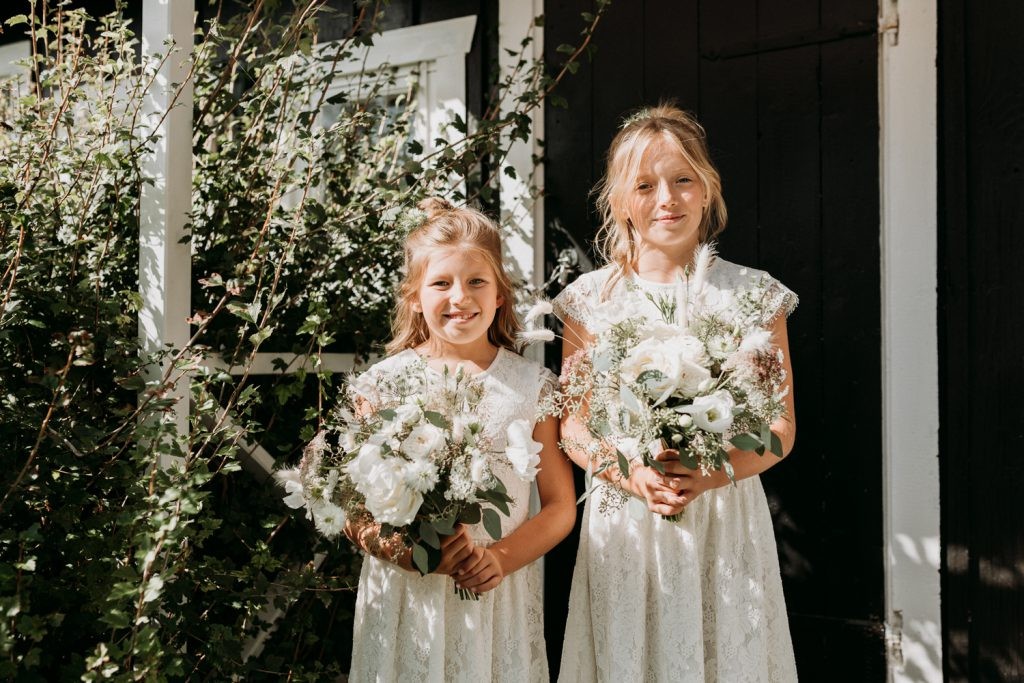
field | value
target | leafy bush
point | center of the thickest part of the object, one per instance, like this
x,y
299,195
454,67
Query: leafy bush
x,y
112,566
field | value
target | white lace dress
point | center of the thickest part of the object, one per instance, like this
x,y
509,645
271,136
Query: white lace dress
x,y
415,628
697,600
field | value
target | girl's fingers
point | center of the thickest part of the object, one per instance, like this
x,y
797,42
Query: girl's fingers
x,y
472,564
668,455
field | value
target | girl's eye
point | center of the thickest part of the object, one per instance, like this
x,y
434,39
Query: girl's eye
x,y
439,283
478,281
643,187
684,179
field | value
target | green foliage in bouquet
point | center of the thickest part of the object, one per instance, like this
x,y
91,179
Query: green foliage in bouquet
x,y
113,566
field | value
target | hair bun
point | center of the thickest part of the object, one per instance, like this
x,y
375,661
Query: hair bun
x,y
435,206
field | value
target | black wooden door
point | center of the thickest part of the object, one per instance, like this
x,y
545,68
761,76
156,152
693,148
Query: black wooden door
x,y
788,93
981,223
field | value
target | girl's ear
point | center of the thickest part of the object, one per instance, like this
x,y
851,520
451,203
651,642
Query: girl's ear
x,y
501,301
415,306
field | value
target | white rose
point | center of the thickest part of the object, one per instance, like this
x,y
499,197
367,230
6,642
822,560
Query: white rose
x,y
679,360
713,412
422,441
361,468
522,451
388,497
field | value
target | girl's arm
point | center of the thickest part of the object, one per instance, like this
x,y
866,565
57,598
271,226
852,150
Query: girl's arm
x,y
538,534
642,482
455,549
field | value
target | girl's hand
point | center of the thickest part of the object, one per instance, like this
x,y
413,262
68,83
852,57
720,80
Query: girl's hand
x,y
687,483
652,486
481,575
455,550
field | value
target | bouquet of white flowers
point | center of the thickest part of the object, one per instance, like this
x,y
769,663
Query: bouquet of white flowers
x,y
703,376
409,451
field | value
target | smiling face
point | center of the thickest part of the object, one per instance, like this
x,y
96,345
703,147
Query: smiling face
x,y
458,297
667,199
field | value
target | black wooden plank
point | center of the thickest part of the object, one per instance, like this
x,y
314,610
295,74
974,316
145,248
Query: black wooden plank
x,y
788,240
838,651
728,111
782,17
568,134
851,320
995,187
670,39
848,13
954,343
620,88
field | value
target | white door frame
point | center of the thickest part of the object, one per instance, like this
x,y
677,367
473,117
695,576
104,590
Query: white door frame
x,y
908,36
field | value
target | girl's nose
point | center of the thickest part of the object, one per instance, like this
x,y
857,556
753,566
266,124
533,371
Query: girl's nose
x,y
457,293
665,195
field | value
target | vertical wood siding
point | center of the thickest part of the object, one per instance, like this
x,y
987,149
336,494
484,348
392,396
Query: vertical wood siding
x,y
981,245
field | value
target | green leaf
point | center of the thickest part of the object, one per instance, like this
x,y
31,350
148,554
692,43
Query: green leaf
x,y
420,559
776,446
565,49
17,19
623,464
492,523
445,526
435,418
470,515
745,441
132,383
429,534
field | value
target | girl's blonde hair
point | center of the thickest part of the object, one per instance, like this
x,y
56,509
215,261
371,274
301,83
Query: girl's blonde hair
x,y
617,240
447,227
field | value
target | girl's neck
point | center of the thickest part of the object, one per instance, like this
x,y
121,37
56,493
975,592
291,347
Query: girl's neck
x,y
475,358
660,265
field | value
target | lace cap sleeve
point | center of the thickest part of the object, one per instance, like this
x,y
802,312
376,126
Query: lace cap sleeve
x,y
781,300
547,397
578,299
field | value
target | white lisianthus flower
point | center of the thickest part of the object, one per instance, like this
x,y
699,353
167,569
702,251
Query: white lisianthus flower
x,y
759,340
328,518
422,441
421,474
292,482
522,451
713,412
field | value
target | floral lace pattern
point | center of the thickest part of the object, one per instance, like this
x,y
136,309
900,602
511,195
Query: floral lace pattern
x,y
413,628
696,600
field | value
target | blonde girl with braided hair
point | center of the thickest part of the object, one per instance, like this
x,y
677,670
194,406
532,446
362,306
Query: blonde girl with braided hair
x,y
454,309
698,599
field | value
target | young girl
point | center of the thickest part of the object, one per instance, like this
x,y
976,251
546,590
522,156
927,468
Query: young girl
x,y
700,599
455,308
